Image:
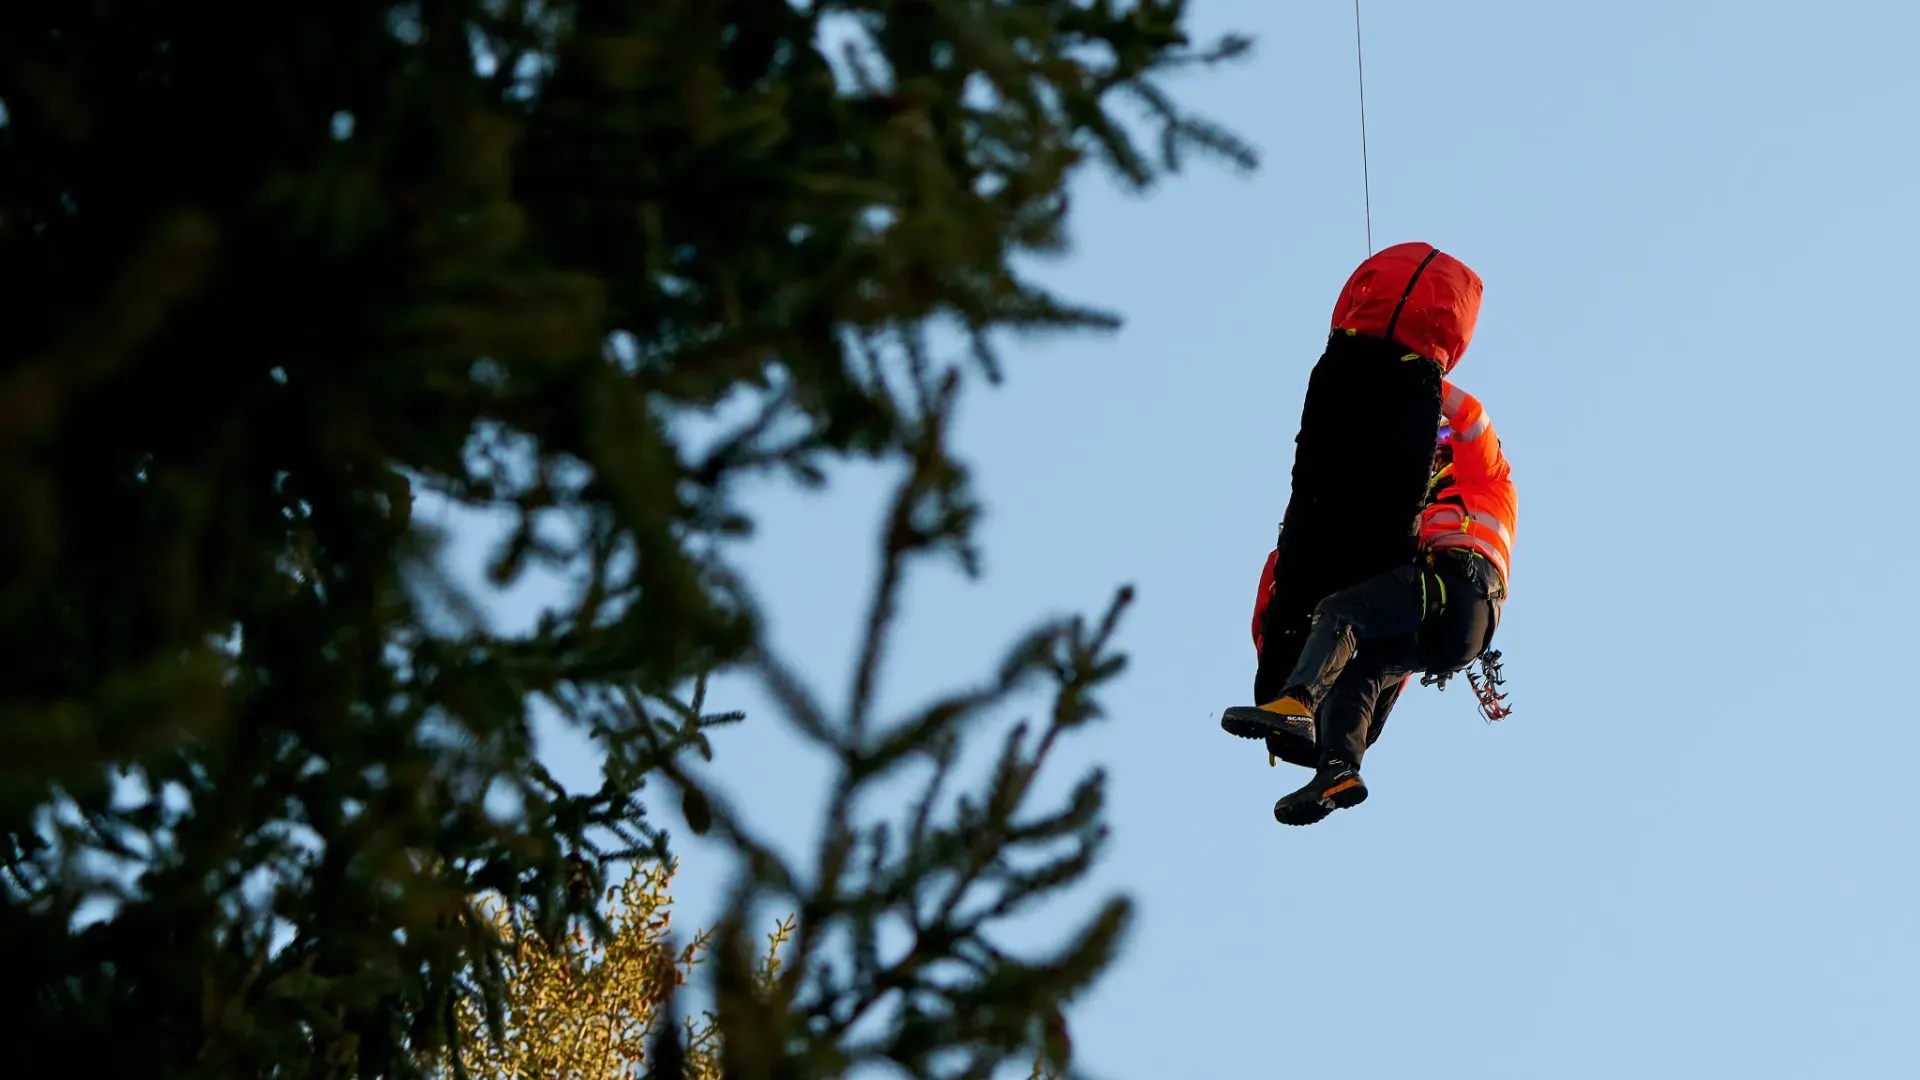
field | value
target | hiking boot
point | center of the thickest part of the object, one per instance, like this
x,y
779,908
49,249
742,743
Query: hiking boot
x,y
1285,723
1336,785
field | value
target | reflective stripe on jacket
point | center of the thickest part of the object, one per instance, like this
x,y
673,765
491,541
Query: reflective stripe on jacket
x,y
1476,506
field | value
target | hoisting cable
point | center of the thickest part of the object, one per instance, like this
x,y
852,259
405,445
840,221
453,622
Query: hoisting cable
x,y
1366,172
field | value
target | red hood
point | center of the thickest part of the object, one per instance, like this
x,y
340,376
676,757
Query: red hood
x,y
1417,295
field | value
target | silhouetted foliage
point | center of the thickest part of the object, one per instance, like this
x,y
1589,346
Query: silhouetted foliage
x,y
274,272
896,956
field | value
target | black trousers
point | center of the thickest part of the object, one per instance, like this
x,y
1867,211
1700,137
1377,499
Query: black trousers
x,y
1437,615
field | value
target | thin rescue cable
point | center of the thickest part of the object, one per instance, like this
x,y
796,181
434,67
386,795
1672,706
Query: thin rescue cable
x,y
1366,171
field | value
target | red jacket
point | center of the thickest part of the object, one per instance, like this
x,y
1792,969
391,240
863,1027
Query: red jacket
x,y
1414,294
1265,594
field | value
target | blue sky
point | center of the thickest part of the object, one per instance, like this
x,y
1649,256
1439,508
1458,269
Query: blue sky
x,y
1691,849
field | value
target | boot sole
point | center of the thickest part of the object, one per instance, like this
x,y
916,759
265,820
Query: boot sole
x,y
1344,796
1283,741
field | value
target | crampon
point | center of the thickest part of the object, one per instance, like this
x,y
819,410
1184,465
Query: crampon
x,y
1486,685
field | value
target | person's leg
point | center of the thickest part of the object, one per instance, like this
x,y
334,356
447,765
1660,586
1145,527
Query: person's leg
x,y
1366,689
1389,697
1388,606
1463,595
1380,608
1461,624
1299,745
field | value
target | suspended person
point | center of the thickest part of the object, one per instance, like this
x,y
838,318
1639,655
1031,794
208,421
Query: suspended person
x,y
1364,451
1436,614
1290,729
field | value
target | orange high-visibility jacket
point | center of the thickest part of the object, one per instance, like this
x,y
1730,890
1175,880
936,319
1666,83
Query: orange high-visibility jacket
x,y
1414,294
1474,504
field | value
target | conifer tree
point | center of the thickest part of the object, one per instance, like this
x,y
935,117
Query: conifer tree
x,y
275,272
587,1008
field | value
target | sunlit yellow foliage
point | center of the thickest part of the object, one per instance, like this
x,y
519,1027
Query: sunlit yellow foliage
x,y
589,1011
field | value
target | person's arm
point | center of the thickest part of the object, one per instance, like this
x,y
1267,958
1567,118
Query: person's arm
x,y
1477,458
1480,469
